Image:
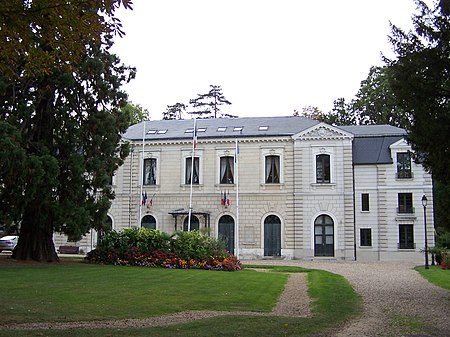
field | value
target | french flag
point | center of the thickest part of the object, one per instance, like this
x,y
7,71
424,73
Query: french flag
x,y
194,136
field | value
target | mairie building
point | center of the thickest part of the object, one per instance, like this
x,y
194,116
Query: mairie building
x,y
276,188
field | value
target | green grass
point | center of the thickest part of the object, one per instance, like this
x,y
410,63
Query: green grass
x,y
90,292
436,275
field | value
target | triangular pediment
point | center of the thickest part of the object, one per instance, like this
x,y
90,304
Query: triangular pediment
x,y
400,144
322,131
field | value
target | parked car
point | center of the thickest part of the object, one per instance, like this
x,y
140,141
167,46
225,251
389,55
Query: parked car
x,y
8,242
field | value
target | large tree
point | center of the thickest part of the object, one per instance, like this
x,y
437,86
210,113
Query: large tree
x,y
136,112
420,80
375,102
60,118
208,105
175,111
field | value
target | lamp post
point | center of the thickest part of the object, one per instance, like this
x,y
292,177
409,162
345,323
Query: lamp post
x,y
424,204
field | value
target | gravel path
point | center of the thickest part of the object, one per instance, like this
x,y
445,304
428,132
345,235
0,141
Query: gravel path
x,y
394,295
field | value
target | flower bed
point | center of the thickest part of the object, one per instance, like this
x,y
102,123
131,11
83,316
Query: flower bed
x,y
126,252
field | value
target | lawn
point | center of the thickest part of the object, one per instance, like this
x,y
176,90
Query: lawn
x,y
436,275
75,291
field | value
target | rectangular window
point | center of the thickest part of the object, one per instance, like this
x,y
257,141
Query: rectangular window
x,y
365,202
227,170
323,168
404,165
272,169
192,171
149,171
406,237
365,236
405,203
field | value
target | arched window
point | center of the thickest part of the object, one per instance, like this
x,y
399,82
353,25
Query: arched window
x,y
195,223
324,236
226,232
106,227
149,222
272,236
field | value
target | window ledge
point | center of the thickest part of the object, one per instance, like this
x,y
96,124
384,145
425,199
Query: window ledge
x,y
220,186
272,186
405,216
151,186
323,185
198,187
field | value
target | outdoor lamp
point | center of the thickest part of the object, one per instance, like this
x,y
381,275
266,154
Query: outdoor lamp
x,y
424,204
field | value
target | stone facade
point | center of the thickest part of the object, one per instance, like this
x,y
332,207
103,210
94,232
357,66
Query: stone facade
x,y
295,190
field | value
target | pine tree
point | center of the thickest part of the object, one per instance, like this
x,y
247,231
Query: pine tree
x,y
175,111
208,105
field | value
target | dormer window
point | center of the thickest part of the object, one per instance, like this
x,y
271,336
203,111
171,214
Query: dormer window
x,y
263,128
151,132
221,129
404,165
237,128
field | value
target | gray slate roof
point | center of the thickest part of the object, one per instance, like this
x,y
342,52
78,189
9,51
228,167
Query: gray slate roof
x,y
176,129
370,144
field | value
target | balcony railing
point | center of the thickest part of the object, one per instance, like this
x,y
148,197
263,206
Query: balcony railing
x,y
404,175
405,210
406,245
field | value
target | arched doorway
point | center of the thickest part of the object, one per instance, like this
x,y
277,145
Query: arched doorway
x,y
195,223
272,236
106,227
323,236
149,222
226,232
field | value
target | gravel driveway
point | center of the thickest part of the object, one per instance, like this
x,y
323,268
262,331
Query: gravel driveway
x,y
397,300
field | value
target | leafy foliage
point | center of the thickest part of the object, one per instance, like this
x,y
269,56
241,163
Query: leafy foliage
x,y
41,35
420,80
153,248
135,112
60,118
375,103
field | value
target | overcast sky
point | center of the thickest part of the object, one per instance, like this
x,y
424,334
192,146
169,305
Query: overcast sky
x,y
270,57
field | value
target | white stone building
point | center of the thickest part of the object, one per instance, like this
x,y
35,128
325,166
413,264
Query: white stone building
x,y
297,189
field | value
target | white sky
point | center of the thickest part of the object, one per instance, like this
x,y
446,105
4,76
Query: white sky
x,y
270,57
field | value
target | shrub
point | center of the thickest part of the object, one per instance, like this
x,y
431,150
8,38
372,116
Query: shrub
x,y
153,248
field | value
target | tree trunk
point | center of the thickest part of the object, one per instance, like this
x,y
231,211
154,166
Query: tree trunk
x,y
35,241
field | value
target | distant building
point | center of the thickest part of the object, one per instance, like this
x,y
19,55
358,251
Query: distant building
x,y
277,187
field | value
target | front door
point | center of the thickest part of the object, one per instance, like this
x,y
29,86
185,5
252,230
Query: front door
x,y
324,236
272,236
226,232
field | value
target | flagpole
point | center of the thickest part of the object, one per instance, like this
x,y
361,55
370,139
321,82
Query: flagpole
x,y
237,197
194,141
142,176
